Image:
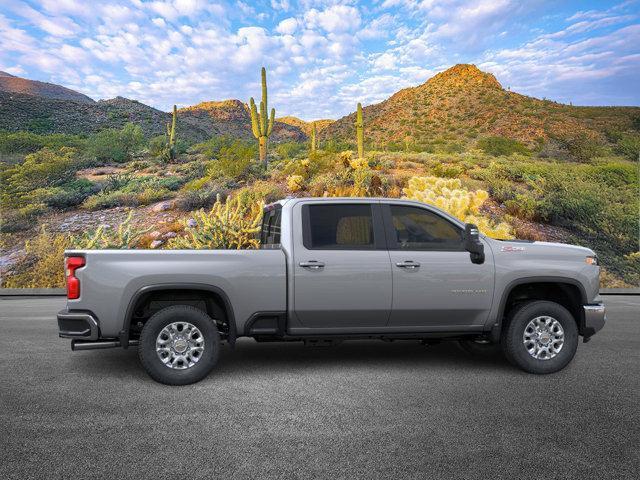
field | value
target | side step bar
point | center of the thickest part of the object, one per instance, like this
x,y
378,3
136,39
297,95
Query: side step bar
x,y
77,345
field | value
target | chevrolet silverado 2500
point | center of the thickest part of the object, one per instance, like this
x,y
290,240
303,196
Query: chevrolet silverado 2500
x,y
331,269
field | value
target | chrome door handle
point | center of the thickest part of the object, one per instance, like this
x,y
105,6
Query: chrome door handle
x,y
410,264
312,264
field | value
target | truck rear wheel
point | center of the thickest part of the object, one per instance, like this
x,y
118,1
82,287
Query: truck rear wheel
x,y
179,345
540,337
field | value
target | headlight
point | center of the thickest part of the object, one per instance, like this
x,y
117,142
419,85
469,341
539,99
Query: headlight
x,y
592,260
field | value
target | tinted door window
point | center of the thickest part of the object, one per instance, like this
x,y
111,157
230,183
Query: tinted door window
x,y
338,227
415,228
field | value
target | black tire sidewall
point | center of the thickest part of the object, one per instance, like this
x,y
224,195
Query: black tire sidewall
x,y
147,347
514,348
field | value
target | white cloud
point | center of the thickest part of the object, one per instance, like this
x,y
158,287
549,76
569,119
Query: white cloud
x,y
287,26
335,19
159,22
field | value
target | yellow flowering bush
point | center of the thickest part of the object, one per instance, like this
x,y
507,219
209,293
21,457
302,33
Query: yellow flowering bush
x,y
295,183
449,195
228,225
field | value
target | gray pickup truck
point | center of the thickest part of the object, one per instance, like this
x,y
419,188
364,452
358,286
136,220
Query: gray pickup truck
x,y
331,269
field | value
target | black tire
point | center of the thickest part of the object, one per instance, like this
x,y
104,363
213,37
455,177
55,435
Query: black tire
x,y
474,348
512,337
207,359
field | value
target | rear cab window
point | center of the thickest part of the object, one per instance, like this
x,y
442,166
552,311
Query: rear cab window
x,y
342,226
270,231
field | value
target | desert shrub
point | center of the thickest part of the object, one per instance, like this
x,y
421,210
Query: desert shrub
x,y
190,200
260,192
233,160
23,218
67,195
110,200
157,145
228,225
125,236
498,146
523,206
27,142
450,196
447,170
295,183
42,169
125,198
211,148
43,266
629,146
289,150
581,146
116,145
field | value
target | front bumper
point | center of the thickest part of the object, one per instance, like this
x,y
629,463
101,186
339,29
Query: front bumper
x,y
80,325
594,319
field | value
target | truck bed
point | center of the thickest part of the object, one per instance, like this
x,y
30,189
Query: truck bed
x,y
254,280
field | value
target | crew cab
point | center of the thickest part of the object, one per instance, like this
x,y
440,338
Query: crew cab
x,y
332,269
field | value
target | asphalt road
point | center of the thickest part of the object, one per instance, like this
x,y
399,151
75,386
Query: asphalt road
x,y
363,409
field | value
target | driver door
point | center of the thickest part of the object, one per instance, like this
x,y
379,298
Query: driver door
x,y
435,284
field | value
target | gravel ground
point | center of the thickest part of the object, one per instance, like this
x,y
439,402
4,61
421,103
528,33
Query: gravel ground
x,y
363,409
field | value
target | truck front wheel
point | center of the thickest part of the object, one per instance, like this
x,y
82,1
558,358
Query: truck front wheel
x,y
179,345
540,337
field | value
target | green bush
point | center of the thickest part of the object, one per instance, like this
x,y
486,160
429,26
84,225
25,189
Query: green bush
x,y
629,146
28,142
234,159
116,145
582,146
289,150
67,195
43,169
498,146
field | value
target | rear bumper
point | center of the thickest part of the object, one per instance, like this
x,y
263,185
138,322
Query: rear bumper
x,y
80,325
594,319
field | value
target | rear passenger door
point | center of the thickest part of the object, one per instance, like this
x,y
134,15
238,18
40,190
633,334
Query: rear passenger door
x,y
342,272
435,284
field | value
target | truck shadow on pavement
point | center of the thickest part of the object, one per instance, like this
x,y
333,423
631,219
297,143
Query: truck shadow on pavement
x,y
252,358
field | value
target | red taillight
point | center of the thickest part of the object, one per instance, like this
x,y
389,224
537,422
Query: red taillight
x,y
71,264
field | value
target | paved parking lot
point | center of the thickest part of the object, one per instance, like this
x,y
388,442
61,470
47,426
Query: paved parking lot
x,y
364,409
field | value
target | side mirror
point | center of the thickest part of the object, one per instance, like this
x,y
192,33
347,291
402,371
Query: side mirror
x,y
473,244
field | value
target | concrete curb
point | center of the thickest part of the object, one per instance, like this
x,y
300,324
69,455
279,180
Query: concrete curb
x,y
56,292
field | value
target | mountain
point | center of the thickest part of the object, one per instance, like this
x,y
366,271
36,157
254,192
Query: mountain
x,y
19,111
305,126
232,117
16,85
464,103
48,108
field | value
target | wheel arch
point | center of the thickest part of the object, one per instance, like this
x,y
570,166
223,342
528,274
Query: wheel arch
x,y
213,292
571,294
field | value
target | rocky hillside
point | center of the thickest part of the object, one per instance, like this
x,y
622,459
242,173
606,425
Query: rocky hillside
x,y
20,111
195,124
16,85
232,117
464,103
305,126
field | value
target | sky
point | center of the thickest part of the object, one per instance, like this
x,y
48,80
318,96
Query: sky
x,y
322,57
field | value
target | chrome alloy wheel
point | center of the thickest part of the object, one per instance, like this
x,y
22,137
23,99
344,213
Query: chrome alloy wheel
x,y
543,338
180,345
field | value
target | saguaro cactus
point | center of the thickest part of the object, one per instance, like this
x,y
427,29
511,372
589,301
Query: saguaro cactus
x,y
360,132
260,124
314,138
171,135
